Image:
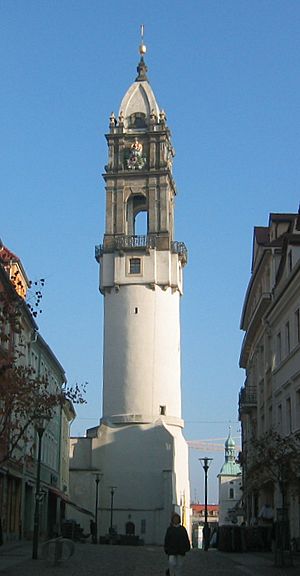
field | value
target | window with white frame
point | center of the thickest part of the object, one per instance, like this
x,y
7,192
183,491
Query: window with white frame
x,y
279,417
134,265
288,416
287,338
278,348
297,408
297,325
290,261
270,416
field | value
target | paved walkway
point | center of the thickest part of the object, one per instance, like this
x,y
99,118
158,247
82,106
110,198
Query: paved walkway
x,y
97,560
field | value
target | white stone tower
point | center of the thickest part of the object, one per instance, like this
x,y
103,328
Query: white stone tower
x,y
141,275
139,446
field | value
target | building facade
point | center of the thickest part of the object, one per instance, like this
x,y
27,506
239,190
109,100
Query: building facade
x,y
269,402
198,521
24,348
139,447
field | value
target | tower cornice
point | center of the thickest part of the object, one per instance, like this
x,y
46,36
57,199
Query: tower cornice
x,y
147,175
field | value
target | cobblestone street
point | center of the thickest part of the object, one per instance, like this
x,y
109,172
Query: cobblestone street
x,y
91,560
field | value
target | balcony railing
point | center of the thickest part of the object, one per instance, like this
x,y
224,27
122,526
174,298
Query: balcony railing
x,y
247,398
146,241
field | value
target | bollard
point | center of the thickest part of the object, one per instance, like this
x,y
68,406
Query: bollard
x,y
53,550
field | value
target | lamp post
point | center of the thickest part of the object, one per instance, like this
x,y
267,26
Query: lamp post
x,y
97,480
112,491
40,425
206,532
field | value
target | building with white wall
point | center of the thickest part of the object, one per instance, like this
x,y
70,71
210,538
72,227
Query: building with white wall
x,y
139,448
230,486
270,398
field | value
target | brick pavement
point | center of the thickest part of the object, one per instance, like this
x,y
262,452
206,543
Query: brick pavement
x,y
96,560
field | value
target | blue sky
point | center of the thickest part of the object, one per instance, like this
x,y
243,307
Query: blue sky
x,y
227,74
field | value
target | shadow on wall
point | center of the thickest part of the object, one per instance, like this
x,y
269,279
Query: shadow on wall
x,y
137,482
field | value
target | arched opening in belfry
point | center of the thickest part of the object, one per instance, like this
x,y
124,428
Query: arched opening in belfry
x,y
137,215
137,120
141,223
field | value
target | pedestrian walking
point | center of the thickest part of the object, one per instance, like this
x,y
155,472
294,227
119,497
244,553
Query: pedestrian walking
x,y
176,545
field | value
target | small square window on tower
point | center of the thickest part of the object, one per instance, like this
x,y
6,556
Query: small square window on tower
x,y
134,266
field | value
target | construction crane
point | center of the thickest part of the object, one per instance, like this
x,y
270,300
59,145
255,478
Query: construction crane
x,y
210,445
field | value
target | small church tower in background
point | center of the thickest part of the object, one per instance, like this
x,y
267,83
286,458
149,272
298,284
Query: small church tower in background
x,y
230,483
139,448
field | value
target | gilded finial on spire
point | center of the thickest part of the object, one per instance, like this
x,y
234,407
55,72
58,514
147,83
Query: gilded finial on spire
x,y
142,47
142,68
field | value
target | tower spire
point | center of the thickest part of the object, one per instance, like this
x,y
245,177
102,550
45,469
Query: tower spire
x,y
142,68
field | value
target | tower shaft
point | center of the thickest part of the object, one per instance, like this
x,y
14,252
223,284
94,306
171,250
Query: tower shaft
x,y
141,280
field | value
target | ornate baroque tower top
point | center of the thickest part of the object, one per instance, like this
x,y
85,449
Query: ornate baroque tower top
x,y
138,174
230,466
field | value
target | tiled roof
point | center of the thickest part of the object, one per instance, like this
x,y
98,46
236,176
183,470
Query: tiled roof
x,y
277,216
201,507
262,234
6,255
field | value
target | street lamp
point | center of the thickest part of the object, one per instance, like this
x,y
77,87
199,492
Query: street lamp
x,y
40,426
97,480
112,491
206,532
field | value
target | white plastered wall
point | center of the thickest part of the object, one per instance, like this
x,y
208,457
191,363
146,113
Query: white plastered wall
x,y
141,352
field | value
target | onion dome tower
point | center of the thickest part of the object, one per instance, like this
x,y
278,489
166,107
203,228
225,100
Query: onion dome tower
x,y
139,447
230,483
